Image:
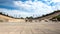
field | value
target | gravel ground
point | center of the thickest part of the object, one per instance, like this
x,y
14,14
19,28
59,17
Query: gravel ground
x,y
30,28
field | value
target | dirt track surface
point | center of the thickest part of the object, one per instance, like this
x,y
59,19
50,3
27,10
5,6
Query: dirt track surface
x,y
29,28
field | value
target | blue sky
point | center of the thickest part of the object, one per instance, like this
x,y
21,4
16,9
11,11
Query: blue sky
x,y
24,8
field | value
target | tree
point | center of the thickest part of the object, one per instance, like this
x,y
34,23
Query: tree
x,y
27,17
22,18
58,17
31,17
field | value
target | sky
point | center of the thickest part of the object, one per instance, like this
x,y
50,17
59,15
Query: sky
x,y
27,8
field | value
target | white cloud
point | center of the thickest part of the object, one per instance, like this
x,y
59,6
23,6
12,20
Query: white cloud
x,y
36,8
15,13
55,0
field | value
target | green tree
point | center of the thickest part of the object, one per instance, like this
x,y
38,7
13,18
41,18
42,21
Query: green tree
x,y
58,17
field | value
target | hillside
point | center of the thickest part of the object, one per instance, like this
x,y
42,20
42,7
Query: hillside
x,y
45,17
49,16
9,19
6,18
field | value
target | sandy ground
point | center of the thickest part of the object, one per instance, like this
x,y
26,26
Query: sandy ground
x,y
30,28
